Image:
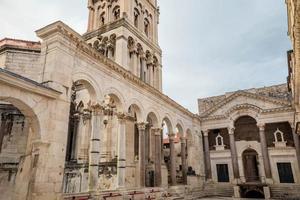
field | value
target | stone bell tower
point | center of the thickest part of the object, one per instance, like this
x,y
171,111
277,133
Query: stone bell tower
x,y
126,31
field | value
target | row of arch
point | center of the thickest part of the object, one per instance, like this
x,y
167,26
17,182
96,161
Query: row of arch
x,y
108,11
133,106
143,64
143,19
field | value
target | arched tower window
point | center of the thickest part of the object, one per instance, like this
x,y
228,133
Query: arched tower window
x,y
136,17
102,19
116,12
147,27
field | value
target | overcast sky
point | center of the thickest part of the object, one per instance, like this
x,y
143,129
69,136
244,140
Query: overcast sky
x,y
209,46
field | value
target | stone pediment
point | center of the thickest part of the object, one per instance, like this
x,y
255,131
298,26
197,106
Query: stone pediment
x,y
243,99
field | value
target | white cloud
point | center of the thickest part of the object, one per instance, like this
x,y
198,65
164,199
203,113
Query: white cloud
x,y
209,46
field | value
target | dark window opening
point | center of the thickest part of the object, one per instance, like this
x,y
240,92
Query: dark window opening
x,y
222,172
285,173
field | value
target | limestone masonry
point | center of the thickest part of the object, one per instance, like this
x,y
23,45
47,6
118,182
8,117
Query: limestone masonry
x,y
84,117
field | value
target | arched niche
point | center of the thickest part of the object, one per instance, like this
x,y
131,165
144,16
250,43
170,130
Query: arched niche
x,y
246,129
167,127
19,129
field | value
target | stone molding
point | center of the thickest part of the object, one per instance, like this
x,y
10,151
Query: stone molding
x,y
27,85
61,28
245,94
119,23
243,106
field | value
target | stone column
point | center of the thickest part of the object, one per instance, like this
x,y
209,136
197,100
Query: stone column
x,y
121,52
183,160
121,150
296,142
264,150
91,15
2,129
234,156
75,136
158,154
172,159
135,69
97,116
207,156
142,159
80,138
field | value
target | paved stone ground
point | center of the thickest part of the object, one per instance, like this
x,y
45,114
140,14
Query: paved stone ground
x,y
223,198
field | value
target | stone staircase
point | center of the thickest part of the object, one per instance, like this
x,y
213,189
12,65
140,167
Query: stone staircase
x,y
285,191
215,190
208,190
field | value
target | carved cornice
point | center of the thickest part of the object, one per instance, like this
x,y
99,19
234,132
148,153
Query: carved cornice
x,y
12,79
119,23
247,106
246,94
82,46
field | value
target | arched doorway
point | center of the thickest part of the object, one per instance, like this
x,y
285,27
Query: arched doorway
x,y
250,162
254,194
19,127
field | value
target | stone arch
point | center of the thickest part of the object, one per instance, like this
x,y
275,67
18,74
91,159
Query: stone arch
x,y
23,158
244,110
155,112
117,97
136,108
154,119
26,108
116,12
91,85
246,129
167,127
137,103
179,129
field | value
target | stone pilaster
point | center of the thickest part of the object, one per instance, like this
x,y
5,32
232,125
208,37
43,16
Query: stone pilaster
x,y
121,150
172,159
234,156
2,129
264,150
207,156
158,154
91,15
296,143
94,157
74,144
183,160
142,159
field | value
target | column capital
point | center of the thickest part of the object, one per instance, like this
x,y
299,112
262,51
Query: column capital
x,y
292,124
205,133
97,109
171,136
121,116
231,130
261,126
142,125
183,139
157,131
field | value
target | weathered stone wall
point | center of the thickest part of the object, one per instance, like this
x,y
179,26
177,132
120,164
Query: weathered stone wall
x,y
26,64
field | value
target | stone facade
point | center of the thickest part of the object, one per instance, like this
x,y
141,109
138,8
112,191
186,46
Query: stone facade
x,y
84,117
96,113
250,139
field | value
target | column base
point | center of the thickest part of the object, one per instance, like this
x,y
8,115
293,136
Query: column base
x,y
267,192
269,181
236,181
236,191
209,181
